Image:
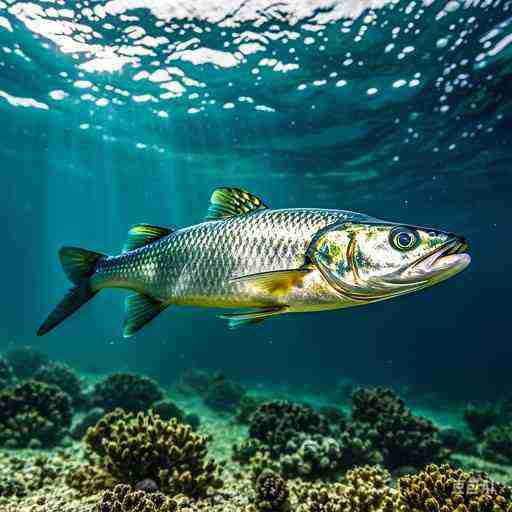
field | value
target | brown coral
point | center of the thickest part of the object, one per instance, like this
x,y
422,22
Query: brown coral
x,y
446,489
132,448
123,499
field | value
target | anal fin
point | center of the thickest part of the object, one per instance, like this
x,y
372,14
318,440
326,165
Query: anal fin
x,y
140,309
236,320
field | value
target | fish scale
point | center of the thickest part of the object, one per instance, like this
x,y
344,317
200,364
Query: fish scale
x,y
197,264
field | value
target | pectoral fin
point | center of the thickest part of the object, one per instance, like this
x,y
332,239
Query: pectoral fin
x,y
236,320
140,309
275,283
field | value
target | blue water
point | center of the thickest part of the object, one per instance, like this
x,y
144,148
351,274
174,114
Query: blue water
x,y
119,112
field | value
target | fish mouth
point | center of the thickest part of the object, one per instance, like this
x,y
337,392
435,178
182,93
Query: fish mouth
x,y
445,261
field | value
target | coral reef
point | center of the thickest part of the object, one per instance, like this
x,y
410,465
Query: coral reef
x,y
136,447
304,443
443,488
223,394
364,489
128,391
402,438
122,498
25,361
497,444
33,414
272,494
276,423
6,373
480,417
64,377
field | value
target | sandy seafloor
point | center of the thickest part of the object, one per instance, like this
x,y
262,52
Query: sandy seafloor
x,y
236,494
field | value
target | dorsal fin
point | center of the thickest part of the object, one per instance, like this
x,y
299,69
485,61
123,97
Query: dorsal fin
x,y
228,202
143,234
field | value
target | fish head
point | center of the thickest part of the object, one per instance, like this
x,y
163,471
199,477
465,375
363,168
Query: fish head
x,y
376,260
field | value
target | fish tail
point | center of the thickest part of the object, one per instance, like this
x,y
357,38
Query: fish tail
x,y
79,265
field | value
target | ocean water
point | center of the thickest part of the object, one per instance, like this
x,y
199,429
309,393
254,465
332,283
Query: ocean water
x,y
124,111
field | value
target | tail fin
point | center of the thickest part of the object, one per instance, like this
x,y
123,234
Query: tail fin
x,y
79,265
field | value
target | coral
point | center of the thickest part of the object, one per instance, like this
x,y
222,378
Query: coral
x,y
364,489
11,486
6,373
445,489
64,377
132,448
276,423
402,438
25,361
313,455
497,443
359,442
193,382
126,390
123,499
223,394
89,479
334,415
271,492
480,417
303,442
88,420
33,414
168,410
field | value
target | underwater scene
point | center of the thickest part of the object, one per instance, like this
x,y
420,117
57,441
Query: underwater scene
x,y
304,209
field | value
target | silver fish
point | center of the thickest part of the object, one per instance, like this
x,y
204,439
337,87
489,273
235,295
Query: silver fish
x,y
267,261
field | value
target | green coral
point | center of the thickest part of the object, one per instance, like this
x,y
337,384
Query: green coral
x,y
33,414
272,494
64,377
128,391
122,498
25,361
446,489
497,443
136,447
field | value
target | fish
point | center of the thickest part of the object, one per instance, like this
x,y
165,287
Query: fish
x,y
262,262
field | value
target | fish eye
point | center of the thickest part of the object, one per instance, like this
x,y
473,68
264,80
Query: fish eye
x,y
404,239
